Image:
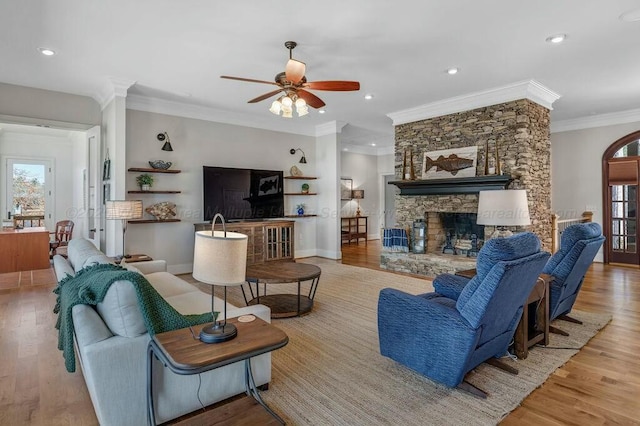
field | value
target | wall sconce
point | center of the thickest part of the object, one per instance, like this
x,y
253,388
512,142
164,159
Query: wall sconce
x,y
167,143
303,160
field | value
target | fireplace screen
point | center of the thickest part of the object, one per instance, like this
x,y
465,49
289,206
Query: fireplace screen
x,y
462,236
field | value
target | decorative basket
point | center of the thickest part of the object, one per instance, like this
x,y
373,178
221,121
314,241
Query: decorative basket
x,y
160,165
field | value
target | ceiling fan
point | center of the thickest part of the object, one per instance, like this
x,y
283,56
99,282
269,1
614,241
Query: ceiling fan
x,y
295,86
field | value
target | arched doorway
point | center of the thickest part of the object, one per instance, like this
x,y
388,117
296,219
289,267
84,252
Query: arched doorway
x,y
621,170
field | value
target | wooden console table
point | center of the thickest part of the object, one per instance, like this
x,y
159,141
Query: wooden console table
x,y
354,227
24,249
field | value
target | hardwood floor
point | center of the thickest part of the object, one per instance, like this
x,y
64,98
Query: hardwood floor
x,y
600,385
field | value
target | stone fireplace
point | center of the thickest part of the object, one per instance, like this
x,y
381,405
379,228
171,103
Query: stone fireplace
x,y
518,130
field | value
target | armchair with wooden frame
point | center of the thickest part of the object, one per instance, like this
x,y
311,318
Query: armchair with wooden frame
x,y
62,235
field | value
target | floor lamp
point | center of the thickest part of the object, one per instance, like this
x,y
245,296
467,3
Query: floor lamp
x,y
502,208
124,210
219,258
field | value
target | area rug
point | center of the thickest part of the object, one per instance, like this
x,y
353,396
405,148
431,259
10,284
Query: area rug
x,y
332,373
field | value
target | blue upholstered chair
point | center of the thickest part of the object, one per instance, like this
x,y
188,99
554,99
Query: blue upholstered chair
x,y
445,334
579,244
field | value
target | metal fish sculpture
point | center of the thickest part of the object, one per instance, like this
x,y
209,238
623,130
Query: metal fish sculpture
x,y
453,164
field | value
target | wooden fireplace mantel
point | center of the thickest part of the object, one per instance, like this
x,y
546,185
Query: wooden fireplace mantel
x,y
465,185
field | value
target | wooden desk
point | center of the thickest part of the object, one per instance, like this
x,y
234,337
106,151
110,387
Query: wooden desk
x,y
354,228
24,249
183,354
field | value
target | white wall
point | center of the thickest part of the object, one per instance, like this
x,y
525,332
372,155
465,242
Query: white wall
x,y
197,143
576,169
365,172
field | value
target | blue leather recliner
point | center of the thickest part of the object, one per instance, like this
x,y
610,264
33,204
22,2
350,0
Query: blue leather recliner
x,y
445,334
579,244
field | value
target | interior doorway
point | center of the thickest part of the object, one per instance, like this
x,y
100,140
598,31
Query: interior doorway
x,y
390,192
621,172
28,190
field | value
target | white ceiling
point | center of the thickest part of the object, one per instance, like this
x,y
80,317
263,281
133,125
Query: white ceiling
x,y
399,51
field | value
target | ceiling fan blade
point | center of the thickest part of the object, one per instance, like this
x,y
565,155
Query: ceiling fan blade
x,y
338,86
311,99
265,96
294,71
250,80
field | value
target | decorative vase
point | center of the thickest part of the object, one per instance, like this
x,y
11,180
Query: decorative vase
x,y
305,188
145,187
300,211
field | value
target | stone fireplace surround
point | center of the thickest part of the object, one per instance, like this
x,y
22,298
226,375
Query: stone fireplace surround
x,y
518,129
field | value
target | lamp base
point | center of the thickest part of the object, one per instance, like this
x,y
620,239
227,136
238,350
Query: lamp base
x,y
218,333
501,232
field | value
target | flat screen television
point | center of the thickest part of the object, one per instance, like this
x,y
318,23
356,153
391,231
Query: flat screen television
x,y
242,194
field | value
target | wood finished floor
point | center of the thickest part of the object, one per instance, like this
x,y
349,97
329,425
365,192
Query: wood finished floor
x,y
598,386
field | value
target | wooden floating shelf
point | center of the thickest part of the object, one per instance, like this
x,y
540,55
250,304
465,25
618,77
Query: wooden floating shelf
x,y
300,193
466,185
153,221
150,170
154,192
301,177
300,215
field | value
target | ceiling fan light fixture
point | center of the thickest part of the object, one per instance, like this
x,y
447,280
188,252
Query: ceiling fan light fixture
x,y
287,111
302,110
276,106
300,103
286,101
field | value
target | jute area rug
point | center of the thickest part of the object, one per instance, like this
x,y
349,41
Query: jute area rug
x,y
332,373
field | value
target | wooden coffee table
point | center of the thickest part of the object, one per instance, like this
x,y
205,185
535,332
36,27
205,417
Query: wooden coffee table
x,y
282,305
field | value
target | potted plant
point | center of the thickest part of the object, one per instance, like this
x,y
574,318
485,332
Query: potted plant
x,y
300,208
145,181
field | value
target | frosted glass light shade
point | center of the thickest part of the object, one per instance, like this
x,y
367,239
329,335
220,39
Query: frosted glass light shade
x,y
507,207
220,259
275,107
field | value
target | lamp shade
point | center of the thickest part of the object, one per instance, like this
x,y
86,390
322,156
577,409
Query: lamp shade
x,y
357,194
123,209
221,258
503,208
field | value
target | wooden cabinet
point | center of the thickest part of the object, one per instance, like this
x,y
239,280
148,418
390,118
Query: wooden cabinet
x,y
269,240
150,170
24,249
354,228
298,195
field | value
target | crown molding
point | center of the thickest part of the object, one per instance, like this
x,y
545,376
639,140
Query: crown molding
x,y
367,150
198,112
592,121
112,88
330,128
529,89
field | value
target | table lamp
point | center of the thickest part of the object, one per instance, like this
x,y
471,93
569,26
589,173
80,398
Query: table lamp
x,y
123,210
357,194
219,258
502,208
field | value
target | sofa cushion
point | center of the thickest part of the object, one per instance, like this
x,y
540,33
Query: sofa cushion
x,y
169,285
120,311
79,251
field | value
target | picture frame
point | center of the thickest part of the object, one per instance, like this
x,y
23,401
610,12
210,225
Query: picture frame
x,y
346,186
450,163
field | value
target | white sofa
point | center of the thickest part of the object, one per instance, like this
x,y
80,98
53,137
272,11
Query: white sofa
x,y
111,346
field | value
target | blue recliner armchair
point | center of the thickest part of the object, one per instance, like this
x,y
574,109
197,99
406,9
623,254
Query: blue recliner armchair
x,y
579,244
445,334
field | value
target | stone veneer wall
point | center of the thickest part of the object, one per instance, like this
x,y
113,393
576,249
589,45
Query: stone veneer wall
x,y
521,131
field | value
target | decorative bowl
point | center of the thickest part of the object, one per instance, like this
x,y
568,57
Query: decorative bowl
x,y
159,164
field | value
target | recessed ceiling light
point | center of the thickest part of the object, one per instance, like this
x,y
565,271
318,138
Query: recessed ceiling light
x,y
631,16
321,111
452,71
345,149
373,144
556,38
46,51
368,96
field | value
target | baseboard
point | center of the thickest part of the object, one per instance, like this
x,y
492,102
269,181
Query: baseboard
x,y
306,253
336,255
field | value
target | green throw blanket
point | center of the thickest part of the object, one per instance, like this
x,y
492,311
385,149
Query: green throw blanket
x,y
90,285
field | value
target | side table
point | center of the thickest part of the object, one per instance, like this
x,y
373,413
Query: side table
x,y
533,327
183,353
